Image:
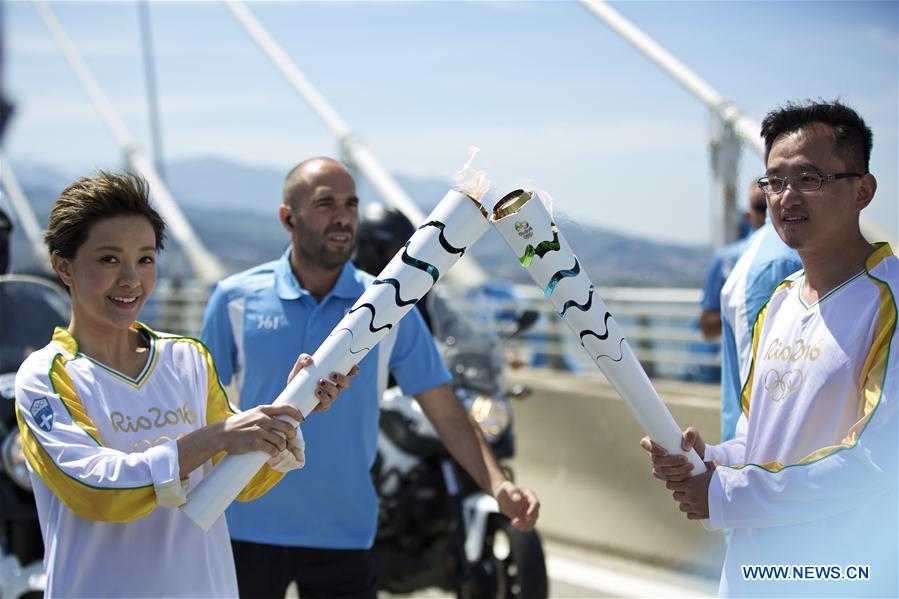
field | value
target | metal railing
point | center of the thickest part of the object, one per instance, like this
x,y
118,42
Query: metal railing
x,y
660,324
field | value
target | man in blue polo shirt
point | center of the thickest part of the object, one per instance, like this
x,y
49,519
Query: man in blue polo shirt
x,y
318,528
766,262
723,263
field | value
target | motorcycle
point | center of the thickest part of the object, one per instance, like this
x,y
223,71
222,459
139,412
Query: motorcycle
x,y
30,308
436,528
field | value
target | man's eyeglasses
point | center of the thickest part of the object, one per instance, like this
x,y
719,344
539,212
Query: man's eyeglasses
x,y
800,182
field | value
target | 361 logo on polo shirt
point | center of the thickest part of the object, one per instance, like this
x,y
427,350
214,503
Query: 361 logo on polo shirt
x,y
42,413
270,322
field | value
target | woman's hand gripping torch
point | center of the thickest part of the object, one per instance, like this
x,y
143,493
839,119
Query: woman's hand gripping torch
x,y
455,224
525,223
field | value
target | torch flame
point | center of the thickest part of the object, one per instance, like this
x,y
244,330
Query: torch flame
x,y
469,181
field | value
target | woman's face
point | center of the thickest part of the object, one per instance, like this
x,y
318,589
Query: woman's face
x,y
113,272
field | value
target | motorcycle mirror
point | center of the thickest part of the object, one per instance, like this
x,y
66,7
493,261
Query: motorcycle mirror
x,y
524,321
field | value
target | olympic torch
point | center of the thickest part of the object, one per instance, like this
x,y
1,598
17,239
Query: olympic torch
x,y
455,224
527,227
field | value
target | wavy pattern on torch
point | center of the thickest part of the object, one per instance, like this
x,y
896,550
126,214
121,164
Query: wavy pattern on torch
x,y
573,304
419,264
396,288
562,274
353,337
371,325
542,248
620,353
602,337
446,244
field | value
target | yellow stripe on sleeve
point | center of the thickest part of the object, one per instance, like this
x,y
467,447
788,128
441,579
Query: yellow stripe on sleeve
x,y
873,372
64,387
259,485
88,502
746,392
219,408
874,369
217,405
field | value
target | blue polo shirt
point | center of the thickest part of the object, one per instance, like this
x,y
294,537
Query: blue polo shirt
x,y
766,262
256,324
722,264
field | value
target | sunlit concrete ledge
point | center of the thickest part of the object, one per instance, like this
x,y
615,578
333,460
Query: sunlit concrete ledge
x,y
578,448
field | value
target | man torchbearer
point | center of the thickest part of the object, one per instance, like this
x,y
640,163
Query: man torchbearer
x,y
808,484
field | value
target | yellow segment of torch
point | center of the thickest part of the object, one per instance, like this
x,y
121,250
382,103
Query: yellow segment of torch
x,y
525,224
454,225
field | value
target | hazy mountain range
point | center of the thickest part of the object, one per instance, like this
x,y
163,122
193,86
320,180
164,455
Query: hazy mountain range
x,y
233,209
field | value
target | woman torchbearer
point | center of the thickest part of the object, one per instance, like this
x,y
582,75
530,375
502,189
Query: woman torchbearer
x,y
118,420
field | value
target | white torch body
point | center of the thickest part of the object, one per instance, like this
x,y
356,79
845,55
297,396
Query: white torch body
x,y
526,225
455,224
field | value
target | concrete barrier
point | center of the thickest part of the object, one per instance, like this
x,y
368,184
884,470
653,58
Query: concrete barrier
x,y
578,448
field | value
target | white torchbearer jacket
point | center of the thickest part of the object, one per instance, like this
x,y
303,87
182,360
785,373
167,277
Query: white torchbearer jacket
x,y
102,448
811,477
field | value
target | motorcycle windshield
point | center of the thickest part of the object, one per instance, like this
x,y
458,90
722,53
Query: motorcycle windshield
x,y
465,330
30,308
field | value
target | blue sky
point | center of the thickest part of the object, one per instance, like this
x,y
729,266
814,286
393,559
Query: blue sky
x,y
551,95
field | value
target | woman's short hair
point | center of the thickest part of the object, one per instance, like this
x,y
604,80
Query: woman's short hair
x,y
91,199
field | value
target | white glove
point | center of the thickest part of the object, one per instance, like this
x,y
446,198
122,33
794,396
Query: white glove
x,y
292,458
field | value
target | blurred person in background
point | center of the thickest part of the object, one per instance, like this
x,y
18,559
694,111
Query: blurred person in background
x,y
6,109
6,228
723,263
765,263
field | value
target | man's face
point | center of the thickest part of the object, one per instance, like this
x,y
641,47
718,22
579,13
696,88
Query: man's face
x,y
758,207
325,216
812,220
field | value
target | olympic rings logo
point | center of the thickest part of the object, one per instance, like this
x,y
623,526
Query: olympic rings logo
x,y
145,444
780,386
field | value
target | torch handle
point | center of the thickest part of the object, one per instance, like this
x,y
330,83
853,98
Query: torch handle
x,y
215,493
632,383
232,473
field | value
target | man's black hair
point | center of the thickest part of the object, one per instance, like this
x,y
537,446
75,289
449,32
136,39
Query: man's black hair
x,y
852,138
